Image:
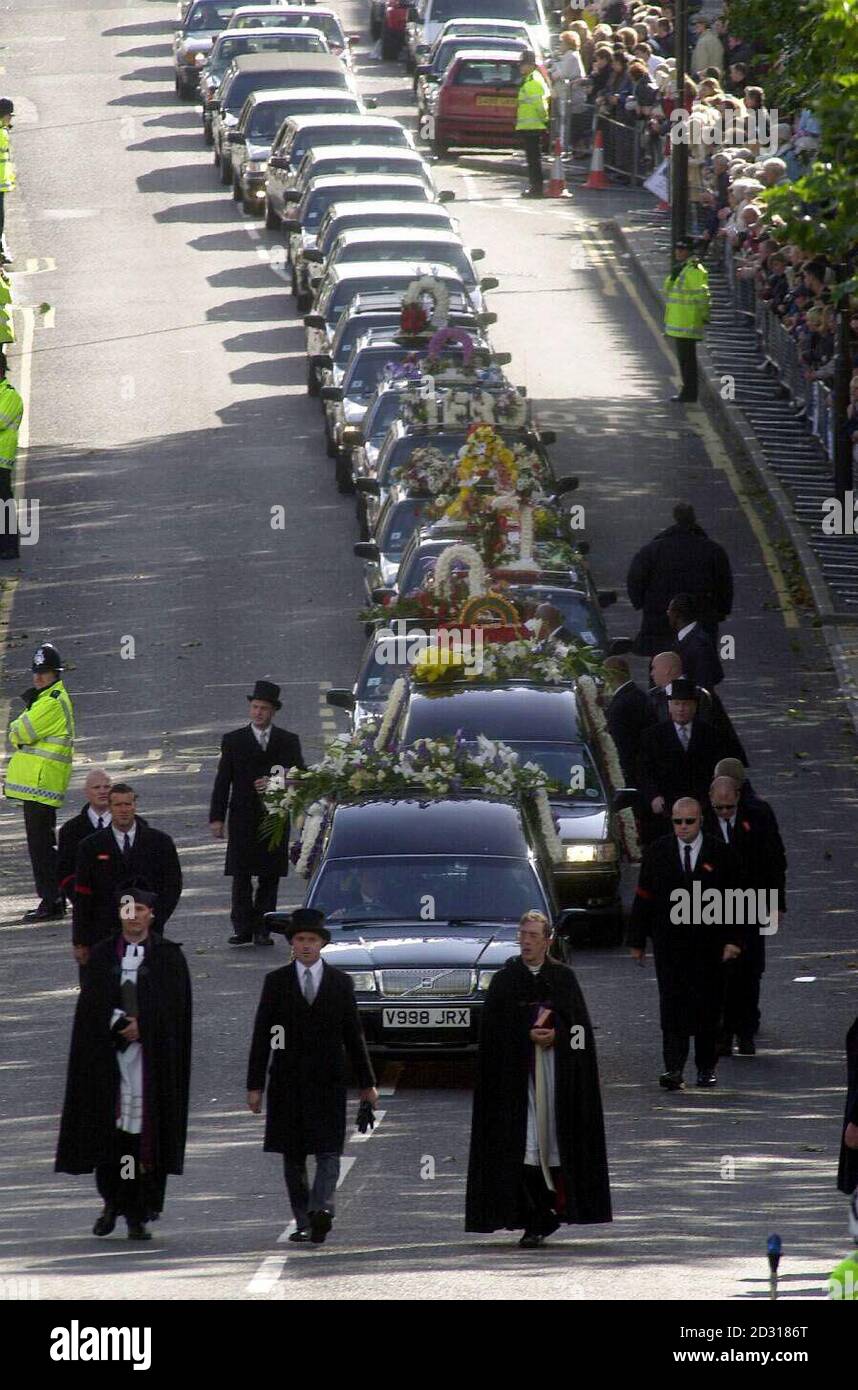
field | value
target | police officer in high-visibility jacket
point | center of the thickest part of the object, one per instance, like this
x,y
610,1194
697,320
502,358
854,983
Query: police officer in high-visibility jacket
x,y
7,170
531,120
11,414
7,322
39,771
686,312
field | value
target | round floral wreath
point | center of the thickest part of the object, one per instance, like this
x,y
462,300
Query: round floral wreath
x,y
433,289
451,337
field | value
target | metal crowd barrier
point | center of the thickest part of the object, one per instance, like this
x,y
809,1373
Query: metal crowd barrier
x,y
623,154
781,351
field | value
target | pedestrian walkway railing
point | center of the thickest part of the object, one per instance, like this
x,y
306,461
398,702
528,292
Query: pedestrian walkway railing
x,y
781,351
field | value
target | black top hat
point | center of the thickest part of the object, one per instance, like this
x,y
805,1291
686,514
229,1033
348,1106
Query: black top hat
x,y
138,890
307,919
683,689
47,658
266,690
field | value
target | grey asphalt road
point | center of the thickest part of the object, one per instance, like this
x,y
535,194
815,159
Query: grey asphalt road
x,y
167,419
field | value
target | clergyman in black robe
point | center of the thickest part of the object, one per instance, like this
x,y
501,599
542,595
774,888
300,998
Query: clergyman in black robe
x,y
847,1175
538,1156
125,1113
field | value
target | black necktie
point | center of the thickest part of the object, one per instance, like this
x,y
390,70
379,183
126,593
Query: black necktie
x,y
126,850
729,832
100,823
687,861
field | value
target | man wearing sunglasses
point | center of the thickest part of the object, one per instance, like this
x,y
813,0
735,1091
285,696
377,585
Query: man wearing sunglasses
x,y
689,954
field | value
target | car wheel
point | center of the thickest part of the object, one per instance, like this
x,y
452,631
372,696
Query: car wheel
x,y
236,190
272,221
312,381
391,45
360,508
251,207
225,171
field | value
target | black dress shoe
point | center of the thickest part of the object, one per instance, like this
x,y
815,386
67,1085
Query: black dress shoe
x,y
106,1222
707,1078
240,941
137,1231
300,1237
262,938
746,1047
724,1046
46,912
320,1224
532,193
671,1081
531,1240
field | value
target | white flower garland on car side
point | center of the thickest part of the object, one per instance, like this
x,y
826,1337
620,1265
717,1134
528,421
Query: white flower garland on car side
x,y
548,826
465,555
392,710
589,695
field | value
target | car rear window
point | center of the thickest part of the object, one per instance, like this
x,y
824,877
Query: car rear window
x,y
400,524
267,119
209,16
442,10
416,250
348,135
473,72
364,164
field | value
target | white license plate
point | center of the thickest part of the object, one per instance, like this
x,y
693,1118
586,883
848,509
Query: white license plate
x,y
426,1018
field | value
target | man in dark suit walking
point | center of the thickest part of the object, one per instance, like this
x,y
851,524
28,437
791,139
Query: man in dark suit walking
x,y
677,758
628,714
753,833
93,815
689,952
307,1027
665,668
680,560
127,851
248,757
700,661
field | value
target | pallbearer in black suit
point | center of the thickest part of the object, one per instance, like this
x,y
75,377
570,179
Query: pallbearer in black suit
x,y
689,954
127,851
94,815
665,668
700,661
307,1027
248,756
628,714
752,831
677,758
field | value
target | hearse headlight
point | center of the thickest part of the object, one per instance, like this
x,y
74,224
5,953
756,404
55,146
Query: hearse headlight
x,y
363,981
585,853
485,979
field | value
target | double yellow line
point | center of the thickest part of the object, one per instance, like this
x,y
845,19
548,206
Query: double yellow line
x,y
606,269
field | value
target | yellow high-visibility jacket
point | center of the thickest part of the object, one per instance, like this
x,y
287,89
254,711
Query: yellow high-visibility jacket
x,y
43,739
686,310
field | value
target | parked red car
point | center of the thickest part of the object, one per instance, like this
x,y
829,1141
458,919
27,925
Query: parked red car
x,y
477,100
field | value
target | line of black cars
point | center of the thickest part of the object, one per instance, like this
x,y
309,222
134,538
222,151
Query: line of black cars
x,y
422,893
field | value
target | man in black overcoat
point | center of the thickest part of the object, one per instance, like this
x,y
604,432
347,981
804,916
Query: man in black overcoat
x,y
690,952
695,648
537,1156
125,1114
677,758
94,815
847,1173
128,850
680,560
627,714
665,668
248,757
307,1030
752,832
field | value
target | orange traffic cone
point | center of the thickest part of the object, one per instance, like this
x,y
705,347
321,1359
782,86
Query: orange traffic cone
x,y
597,178
557,183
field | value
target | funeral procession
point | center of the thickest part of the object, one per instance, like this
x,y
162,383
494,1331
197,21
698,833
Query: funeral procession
x,y
429,662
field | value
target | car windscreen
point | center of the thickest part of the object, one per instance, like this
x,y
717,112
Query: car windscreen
x,y
320,199
567,764
476,72
580,618
314,106
208,16
427,217
377,677
353,328
365,164
267,119
328,23
445,253
526,10
388,409
390,888
400,523
380,284
365,373
400,452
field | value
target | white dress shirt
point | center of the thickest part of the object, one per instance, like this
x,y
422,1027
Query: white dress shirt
x,y
262,736
95,816
684,631
694,846
315,971
119,835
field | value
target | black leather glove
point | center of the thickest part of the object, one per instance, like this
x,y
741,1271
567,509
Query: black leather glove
x,y
365,1117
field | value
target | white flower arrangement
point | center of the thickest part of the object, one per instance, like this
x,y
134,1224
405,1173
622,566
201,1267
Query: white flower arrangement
x,y
428,287
525,543
311,828
392,710
548,826
589,696
465,555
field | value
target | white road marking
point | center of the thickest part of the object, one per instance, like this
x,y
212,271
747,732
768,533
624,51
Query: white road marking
x,y
268,1274
392,1074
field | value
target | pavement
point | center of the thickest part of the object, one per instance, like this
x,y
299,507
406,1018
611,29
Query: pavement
x,y
167,418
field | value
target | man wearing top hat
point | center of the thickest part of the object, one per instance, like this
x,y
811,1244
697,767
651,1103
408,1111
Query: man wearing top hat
x,y
248,756
125,1114
307,1030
